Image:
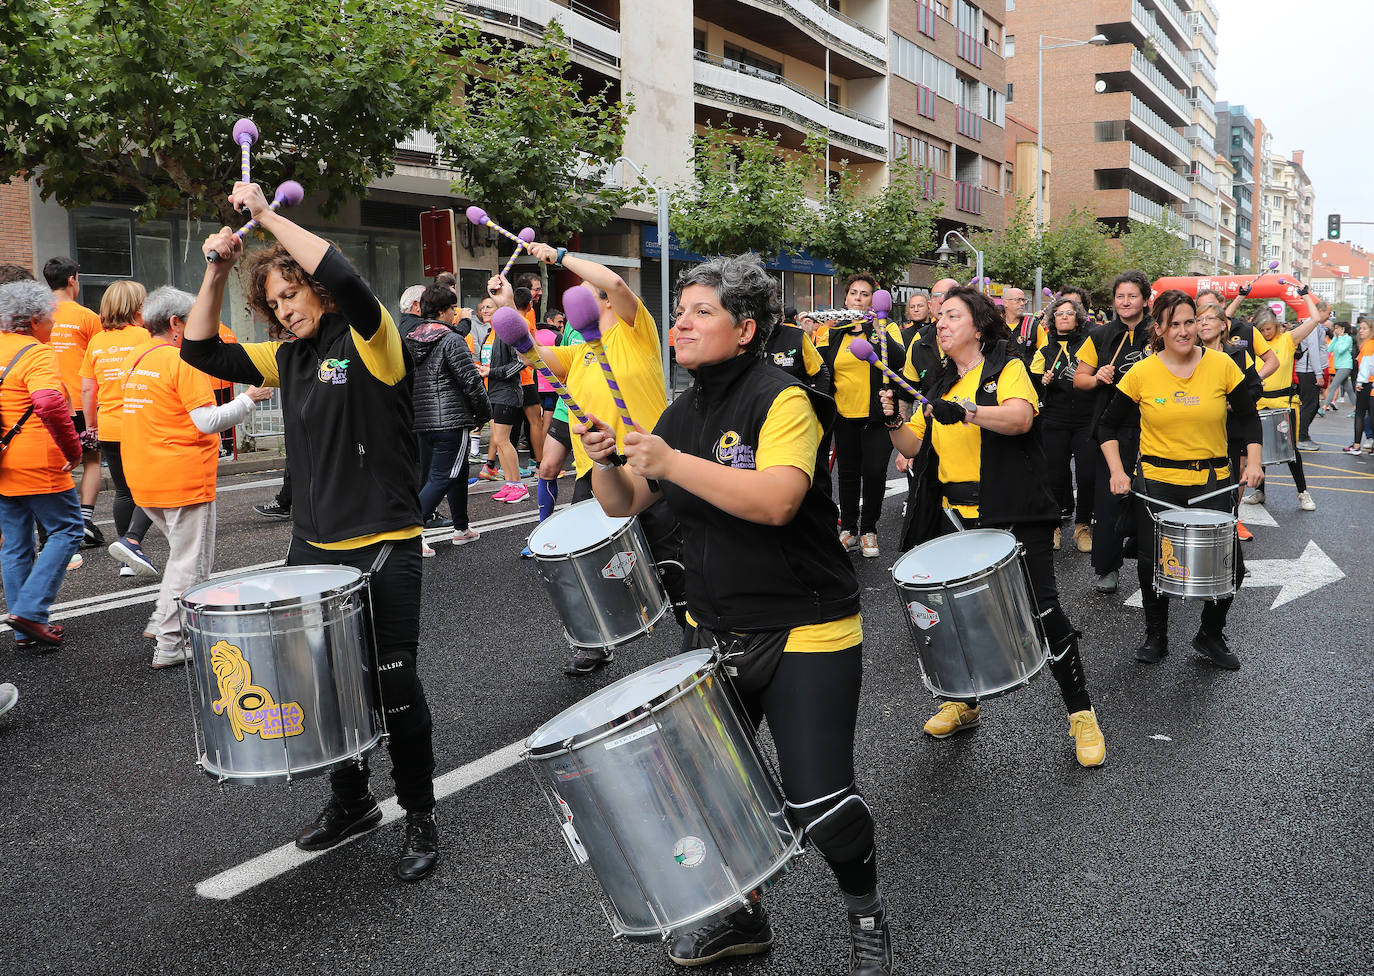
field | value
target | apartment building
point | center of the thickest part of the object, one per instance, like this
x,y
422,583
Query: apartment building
x,y
1116,114
1025,155
1226,258
1202,211
1235,140
1343,272
1286,203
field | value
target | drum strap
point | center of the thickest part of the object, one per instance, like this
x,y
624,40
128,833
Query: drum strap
x,y
962,492
383,554
1197,465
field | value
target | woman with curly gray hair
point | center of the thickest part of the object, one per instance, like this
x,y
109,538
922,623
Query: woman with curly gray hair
x,y
735,458
36,459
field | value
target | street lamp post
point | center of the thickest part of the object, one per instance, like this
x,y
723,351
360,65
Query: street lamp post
x,y
665,321
1097,40
945,252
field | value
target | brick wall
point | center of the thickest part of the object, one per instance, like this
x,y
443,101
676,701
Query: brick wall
x,y
16,224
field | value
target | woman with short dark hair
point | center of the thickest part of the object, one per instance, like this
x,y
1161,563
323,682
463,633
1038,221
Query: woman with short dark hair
x,y
1066,418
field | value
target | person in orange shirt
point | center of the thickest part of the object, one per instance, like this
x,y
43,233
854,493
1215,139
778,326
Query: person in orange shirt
x,y
35,481
74,326
102,402
171,456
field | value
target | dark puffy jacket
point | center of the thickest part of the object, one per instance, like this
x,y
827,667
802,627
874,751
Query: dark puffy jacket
x,y
448,389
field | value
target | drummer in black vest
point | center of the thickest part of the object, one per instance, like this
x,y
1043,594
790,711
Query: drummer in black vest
x,y
734,456
974,451
1107,356
1066,418
791,350
1178,401
346,400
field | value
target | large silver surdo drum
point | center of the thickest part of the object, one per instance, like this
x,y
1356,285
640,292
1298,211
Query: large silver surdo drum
x,y
282,682
1195,554
600,575
1276,434
659,786
968,605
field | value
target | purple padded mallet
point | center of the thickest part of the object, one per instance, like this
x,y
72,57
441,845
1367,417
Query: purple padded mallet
x,y
512,329
479,217
862,349
525,237
882,308
584,315
245,134
288,194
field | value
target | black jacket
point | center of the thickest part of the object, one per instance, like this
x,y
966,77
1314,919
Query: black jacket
x,y
1123,354
784,350
449,393
1063,406
350,439
503,376
743,576
923,355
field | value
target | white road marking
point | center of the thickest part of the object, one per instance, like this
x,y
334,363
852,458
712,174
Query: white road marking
x,y
1257,515
236,880
1161,738
1294,577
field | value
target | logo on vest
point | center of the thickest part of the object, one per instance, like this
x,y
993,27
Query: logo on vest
x,y
334,371
990,386
788,358
730,451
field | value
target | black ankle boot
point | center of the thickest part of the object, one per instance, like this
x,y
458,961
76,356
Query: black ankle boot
x,y
338,820
420,855
1156,646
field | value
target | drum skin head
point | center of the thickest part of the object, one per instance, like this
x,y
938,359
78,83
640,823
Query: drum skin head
x,y
575,529
954,557
1201,517
618,699
269,586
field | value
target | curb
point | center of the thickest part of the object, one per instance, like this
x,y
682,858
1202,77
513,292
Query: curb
x,y
248,463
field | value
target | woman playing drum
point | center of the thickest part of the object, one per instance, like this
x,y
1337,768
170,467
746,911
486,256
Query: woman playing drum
x,y
973,448
1178,401
735,459
352,458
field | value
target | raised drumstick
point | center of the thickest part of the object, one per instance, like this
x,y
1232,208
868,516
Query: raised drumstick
x,y
514,331
288,194
882,307
863,349
245,134
580,307
524,237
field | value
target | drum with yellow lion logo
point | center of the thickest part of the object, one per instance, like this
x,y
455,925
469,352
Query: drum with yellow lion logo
x,y
1195,554
283,683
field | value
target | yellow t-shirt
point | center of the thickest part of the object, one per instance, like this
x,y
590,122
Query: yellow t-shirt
x,y
1281,379
1183,419
636,360
854,376
960,446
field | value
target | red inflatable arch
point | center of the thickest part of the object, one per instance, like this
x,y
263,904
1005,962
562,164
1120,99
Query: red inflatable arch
x,y
1268,288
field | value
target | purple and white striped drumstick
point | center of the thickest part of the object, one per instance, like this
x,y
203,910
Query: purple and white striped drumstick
x,y
288,194
479,217
863,349
522,239
514,331
579,305
245,134
882,307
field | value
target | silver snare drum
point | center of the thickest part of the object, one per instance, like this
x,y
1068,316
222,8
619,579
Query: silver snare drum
x,y
600,576
1195,554
968,605
283,686
659,786
1276,429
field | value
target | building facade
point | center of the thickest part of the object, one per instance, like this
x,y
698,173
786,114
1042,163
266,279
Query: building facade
x,y
1203,211
1235,140
1343,272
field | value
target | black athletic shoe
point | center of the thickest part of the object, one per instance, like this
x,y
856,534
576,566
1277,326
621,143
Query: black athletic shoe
x,y
437,521
1213,647
338,821
420,853
1154,650
870,944
272,510
742,933
91,536
585,661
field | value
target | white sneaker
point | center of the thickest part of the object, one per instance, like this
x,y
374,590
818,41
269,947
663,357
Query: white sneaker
x,y
9,696
170,659
1255,497
1305,501
849,540
126,571
426,550
76,561
869,544
466,536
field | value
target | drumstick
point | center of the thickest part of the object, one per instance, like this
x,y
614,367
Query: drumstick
x,y
288,194
580,307
863,349
479,217
245,134
513,330
882,307
1156,501
1118,348
1213,494
524,237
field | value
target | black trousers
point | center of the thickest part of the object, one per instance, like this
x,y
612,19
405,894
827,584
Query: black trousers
x,y
130,521
1361,412
1214,612
863,449
394,618
1109,509
1309,399
1077,444
664,535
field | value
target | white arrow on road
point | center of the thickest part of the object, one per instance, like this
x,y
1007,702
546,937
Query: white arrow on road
x,y
1294,577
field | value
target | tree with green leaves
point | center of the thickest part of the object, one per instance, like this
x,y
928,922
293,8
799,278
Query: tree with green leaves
x,y
1011,255
1154,248
530,143
745,194
1075,250
109,97
881,233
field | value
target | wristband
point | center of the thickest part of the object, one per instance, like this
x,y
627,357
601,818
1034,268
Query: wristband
x,y
558,258
615,460
894,423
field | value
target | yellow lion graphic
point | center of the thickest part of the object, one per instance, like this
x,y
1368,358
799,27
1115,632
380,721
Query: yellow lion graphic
x,y
249,707
1169,563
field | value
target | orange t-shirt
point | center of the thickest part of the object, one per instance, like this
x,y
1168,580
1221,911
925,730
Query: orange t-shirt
x,y
32,465
73,328
104,363
527,374
168,463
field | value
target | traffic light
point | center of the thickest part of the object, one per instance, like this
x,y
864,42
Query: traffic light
x,y
1333,227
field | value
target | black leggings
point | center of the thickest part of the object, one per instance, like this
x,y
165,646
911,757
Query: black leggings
x,y
1077,443
1108,508
1361,412
131,522
863,449
395,619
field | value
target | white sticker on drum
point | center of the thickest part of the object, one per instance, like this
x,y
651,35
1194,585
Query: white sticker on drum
x,y
620,566
689,851
922,616
579,852
625,739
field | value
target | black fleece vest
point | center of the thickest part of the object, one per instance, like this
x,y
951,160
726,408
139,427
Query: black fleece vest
x,y
742,576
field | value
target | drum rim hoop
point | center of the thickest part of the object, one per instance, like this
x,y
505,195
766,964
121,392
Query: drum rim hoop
x,y
573,554
281,604
971,577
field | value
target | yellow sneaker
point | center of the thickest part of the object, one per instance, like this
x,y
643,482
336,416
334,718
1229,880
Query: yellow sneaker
x,y
1087,738
952,717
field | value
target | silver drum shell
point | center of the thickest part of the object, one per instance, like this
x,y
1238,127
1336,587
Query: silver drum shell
x,y
1201,564
1276,430
976,636
310,654
597,611
670,804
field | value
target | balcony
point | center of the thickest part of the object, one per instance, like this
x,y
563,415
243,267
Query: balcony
x,y
738,86
1147,211
830,28
968,197
1172,15
968,123
1161,85
1201,65
589,33
1161,41
1206,177
1146,165
969,48
1156,126
1199,211
1199,25
925,101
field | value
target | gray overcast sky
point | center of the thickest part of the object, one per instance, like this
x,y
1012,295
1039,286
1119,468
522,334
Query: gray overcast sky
x,y
1304,69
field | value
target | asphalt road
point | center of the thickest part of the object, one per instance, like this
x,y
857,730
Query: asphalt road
x,y
1227,833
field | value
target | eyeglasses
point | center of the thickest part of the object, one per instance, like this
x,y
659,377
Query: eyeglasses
x,y
937,294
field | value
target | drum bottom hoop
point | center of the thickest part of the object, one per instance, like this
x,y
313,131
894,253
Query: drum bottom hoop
x,y
620,641
720,909
297,772
1213,589
997,692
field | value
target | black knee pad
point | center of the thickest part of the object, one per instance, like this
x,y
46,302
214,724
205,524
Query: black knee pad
x,y
841,828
